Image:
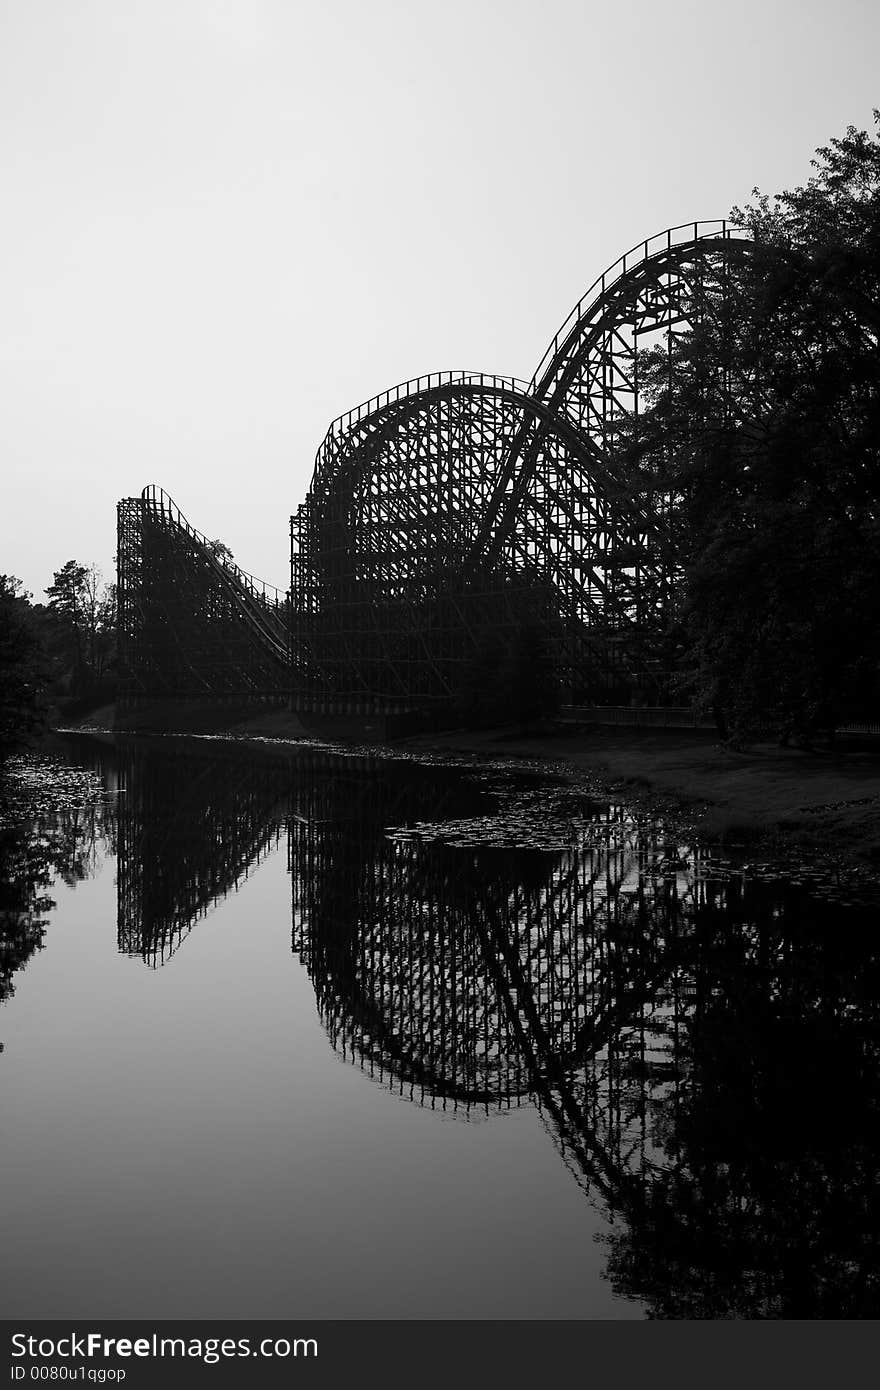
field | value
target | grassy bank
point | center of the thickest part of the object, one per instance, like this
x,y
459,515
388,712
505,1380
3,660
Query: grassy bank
x,y
828,801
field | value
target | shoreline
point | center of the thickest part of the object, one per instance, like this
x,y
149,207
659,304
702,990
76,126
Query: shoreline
x,y
825,803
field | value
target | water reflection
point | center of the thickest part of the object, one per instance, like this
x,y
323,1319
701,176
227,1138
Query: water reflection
x,y
25,904
765,1201
194,822
56,823
703,1048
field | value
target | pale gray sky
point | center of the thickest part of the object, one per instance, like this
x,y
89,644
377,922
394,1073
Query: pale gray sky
x,y
226,221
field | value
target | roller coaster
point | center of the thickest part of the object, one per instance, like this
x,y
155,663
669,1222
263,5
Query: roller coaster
x,y
455,516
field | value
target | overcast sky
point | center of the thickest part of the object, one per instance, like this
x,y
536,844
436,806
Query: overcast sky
x,y
227,221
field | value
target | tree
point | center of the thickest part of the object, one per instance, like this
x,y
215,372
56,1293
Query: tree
x,y
84,609
102,624
67,601
23,666
767,433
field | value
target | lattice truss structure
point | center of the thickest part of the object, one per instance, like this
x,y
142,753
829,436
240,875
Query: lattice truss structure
x,y
460,505
455,519
192,623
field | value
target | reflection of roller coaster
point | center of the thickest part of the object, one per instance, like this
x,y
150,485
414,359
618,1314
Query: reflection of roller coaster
x,y
680,1034
449,509
478,978
192,826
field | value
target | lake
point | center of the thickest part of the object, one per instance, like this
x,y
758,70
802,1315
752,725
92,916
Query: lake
x,y
295,1031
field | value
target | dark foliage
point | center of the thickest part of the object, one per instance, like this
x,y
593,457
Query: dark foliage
x,y
767,1205
81,631
768,433
25,876
64,650
23,667
38,846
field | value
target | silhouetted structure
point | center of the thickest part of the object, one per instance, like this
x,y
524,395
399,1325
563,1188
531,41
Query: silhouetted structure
x,y
452,511
461,505
190,622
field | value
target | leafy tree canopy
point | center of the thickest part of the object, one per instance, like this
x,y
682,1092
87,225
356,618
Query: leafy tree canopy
x,y
84,609
767,431
23,666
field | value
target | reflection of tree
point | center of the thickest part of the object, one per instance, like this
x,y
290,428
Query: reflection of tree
x,y
25,875
769,1204
79,837
46,840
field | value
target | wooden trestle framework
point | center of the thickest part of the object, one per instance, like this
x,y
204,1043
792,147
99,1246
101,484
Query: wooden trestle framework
x,y
451,511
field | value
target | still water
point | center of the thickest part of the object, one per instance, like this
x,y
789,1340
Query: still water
x,y
291,1032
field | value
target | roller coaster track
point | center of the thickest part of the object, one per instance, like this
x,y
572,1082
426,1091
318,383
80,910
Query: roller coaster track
x,y
259,603
191,620
454,487
589,372
449,510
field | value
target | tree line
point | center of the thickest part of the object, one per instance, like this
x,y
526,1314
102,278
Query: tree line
x,y
62,651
